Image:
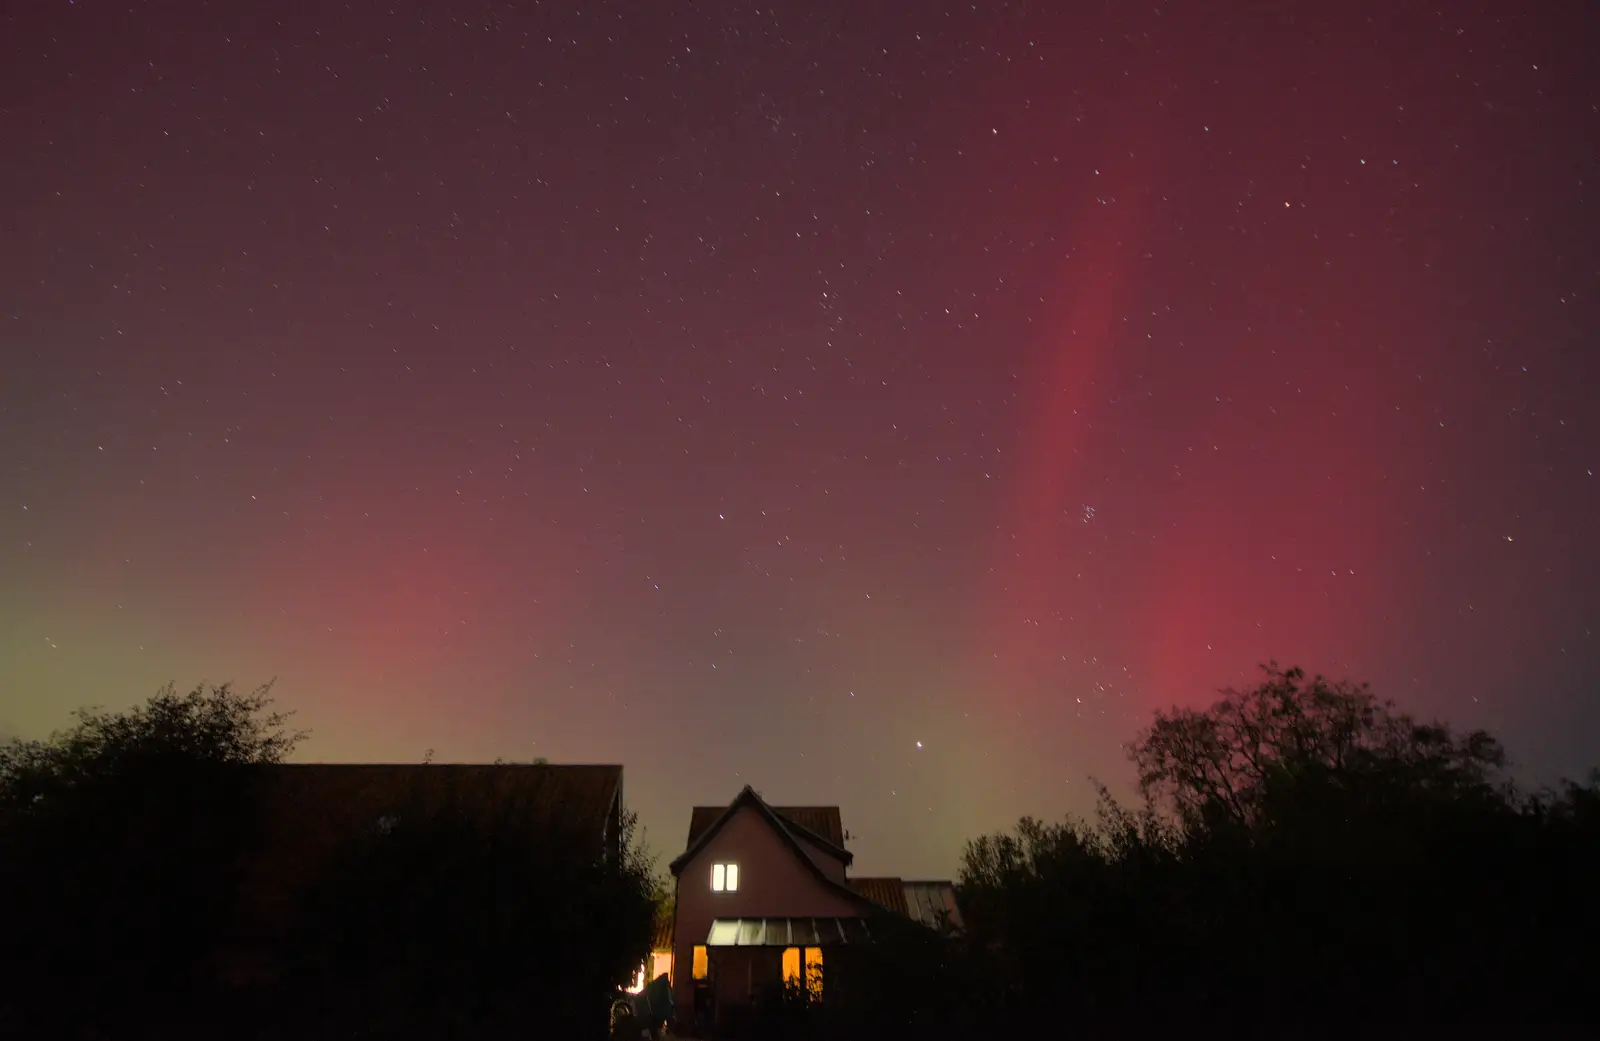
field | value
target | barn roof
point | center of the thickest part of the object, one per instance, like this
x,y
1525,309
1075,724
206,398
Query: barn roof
x,y
309,810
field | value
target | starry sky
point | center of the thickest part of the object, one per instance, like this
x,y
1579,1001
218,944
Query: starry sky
x,y
883,404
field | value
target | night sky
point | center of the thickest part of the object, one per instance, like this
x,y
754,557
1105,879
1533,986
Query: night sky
x,y
880,404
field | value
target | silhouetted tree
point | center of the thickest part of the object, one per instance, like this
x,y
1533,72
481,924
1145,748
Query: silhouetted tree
x,y
1077,901
1305,852
119,840
460,918
1222,763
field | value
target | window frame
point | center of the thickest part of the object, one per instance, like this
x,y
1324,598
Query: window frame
x,y
725,876
802,967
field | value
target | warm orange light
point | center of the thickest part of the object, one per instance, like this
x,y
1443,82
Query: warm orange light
x,y
812,977
701,968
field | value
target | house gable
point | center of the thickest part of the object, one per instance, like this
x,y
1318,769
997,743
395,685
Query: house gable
x,y
776,879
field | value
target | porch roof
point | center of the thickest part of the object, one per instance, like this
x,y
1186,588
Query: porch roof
x,y
786,932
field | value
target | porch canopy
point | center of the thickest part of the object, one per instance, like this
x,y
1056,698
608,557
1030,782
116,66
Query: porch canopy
x,y
786,932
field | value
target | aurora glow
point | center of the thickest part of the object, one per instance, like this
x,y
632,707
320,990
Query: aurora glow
x,y
747,397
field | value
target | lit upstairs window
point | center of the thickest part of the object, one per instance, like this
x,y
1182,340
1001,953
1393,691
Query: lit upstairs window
x,y
724,878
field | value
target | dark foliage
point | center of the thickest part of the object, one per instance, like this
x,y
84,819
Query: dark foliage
x,y
119,840
125,846
1223,766
455,919
1307,853
910,982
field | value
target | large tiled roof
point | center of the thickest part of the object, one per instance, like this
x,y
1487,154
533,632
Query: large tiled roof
x,y
309,809
576,796
885,892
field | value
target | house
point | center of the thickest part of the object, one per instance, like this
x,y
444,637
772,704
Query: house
x,y
764,895
310,810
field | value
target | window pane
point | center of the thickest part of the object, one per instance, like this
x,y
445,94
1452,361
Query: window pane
x,y
791,965
700,962
733,877
814,970
717,876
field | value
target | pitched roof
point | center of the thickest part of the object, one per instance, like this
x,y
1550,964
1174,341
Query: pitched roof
x,y
886,892
821,821
786,831
578,796
820,824
309,809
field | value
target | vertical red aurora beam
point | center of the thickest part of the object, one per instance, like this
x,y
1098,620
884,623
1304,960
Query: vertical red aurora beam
x,y
1060,394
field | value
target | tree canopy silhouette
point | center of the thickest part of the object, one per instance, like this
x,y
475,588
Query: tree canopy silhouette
x,y
139,842
1305,851
1227,761
122,835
